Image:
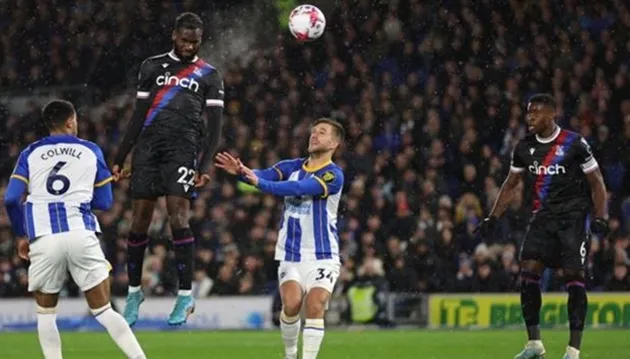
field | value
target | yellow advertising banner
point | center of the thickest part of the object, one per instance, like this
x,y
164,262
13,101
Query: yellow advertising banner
x,y
501,310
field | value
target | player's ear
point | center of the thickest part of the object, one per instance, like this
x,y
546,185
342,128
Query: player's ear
x,y
174,35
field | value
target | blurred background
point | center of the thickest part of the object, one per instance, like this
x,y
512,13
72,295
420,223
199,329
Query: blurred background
x,y
432,95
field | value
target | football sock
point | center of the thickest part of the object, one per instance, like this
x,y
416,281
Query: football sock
x,y
48,333
119,330
312,338
184,245
576,307
290,329
531,301
136,246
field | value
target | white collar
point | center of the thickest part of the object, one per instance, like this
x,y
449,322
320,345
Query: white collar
x,y
551,138
174,57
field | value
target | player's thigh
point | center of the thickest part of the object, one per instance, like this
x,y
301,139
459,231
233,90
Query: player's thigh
x,y
86,261
539,244
177,172
178,211
291,286
47,272
99,296
146,182
575,239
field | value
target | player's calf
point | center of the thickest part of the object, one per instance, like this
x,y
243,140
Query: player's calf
x,y
98,299
577,306
290,323
48,333
313,334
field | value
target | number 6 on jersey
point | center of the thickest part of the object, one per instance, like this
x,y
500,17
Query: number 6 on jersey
x,y
54,177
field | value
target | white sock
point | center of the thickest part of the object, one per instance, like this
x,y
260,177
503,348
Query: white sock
x,y
290,329
48,333
119,330
184,292
312,338
573,353
134,289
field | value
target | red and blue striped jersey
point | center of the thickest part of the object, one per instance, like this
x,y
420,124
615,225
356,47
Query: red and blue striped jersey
x,y
555,171
179,92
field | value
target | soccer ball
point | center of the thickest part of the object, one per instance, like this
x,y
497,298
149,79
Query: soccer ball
x,y
307,23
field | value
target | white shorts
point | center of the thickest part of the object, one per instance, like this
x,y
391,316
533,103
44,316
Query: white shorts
x,y
52,256
322,274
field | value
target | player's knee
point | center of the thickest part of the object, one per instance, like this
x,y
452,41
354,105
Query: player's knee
x,y
574,278
316,303
533,267
291,308
140,224
179,219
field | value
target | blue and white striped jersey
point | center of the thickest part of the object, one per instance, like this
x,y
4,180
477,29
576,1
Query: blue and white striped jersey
x,y
309,225
61,173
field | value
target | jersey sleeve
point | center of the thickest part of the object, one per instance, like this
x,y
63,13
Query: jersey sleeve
x,y
145,80
214,91
103,174
286,167
331,180
585,157
21,171
517,164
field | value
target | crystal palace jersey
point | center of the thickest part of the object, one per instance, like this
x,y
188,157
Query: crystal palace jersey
x,y
555,171
309,223
61,173
179,92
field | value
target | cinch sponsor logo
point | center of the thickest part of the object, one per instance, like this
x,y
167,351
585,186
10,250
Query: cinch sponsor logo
x,y
547,170
168,80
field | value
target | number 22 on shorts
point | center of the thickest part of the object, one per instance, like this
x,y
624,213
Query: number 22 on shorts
x,y
186,172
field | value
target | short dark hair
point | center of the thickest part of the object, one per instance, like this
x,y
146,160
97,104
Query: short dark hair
x,y
338,129
543,99
56,113
188,20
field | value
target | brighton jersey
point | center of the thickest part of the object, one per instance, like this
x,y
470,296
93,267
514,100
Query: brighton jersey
x,y
555,170
61,173
309,223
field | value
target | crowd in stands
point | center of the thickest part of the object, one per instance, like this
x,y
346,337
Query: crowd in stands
x,y
433,100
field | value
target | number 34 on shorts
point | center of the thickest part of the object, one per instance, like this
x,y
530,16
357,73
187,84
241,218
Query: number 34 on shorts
x,y
322,274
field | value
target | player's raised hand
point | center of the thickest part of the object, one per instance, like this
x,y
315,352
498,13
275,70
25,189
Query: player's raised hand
x,y
201,180
228,163
23,248
249,175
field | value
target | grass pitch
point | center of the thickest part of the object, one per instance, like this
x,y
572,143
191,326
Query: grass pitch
x,y
337,345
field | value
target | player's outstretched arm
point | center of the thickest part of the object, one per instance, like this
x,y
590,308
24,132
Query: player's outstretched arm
x,y
312,186
231,165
